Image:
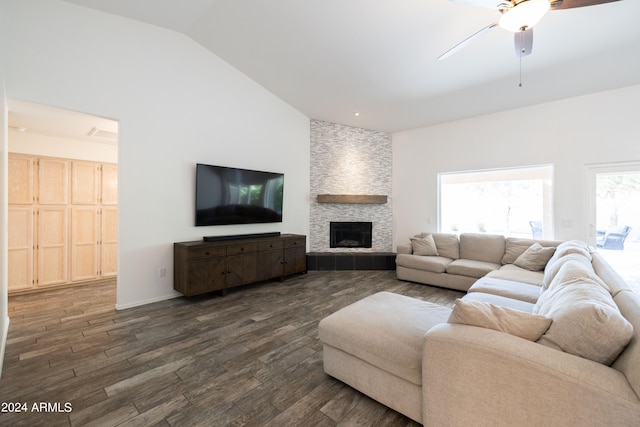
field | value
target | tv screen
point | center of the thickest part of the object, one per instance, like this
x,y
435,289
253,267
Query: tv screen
x,y
237,196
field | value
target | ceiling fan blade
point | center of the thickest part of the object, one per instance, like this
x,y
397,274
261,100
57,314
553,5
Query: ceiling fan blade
x,y
523,42
571,4
467,41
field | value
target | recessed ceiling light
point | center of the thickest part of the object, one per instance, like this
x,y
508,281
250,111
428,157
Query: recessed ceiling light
x,y
356,114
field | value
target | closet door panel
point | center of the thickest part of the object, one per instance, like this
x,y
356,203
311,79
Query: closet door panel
x,y
21,190
53,182
109,242
20,248
53,246
85,180
84,243
109,187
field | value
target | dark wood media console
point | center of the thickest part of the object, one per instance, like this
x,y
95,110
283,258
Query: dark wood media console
x,y
205,266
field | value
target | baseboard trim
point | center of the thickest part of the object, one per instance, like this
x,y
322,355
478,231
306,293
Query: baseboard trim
x,y
148,301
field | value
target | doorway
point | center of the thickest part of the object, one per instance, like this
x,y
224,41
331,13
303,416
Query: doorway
x,y
62,198
614,217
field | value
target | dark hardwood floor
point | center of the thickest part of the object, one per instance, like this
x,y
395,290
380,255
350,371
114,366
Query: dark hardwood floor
x,y
251,358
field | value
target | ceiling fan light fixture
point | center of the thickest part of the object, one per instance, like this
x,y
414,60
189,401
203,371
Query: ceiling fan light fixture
x,y
524,15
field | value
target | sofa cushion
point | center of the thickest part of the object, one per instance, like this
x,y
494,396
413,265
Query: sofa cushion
x,y
535,257
576,272
482,247
471,268
499,300
507,288
586,321
575,260
517,274
385,330
514,322
435,264
424,245
515,246
570,247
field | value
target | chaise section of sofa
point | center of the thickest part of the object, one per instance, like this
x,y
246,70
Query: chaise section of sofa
x,y
376,345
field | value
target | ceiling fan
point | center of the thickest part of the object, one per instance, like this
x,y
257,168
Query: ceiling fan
x,y
519,17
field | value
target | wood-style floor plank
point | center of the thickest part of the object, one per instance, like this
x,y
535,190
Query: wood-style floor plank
x,y
251,358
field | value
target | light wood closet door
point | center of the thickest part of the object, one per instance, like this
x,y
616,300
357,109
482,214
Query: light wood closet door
x,y
109,242
21,238
84,243
109,187
53,245
109,221
85,183
53,182
21,180
63,221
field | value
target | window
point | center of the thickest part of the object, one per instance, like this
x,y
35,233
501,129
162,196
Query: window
x,y
512,202
613,201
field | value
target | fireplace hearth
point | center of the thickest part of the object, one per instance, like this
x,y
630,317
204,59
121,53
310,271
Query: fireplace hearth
x,y
350,234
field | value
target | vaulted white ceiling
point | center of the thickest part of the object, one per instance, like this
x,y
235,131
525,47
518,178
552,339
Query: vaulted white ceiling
x,y
333,58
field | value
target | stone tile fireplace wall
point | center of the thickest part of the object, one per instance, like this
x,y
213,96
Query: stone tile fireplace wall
x,y
354,161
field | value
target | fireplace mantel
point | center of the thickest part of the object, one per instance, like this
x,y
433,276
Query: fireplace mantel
x,y
352,198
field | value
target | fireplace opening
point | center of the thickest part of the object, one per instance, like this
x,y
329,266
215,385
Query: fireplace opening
x,y
350,234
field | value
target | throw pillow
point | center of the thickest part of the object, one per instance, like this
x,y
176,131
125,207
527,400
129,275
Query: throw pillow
x,y
447,244
514,322
586,321
424,245
515,246
535,258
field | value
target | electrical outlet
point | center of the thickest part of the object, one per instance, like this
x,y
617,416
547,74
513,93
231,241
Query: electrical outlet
x,y
162,272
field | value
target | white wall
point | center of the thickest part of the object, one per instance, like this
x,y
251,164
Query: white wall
x,y
571,133
177,104
4,280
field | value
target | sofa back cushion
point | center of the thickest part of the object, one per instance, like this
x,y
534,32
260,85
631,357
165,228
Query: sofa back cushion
x,y
586,320
628,302
628,362
570,247
482,247
574,265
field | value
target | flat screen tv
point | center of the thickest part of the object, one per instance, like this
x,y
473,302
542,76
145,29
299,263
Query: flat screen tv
x,y
227,195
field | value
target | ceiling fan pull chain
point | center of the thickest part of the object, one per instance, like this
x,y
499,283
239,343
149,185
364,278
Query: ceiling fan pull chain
x,y
520,85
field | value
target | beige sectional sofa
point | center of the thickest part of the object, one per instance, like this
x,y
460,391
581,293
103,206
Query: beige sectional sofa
x,y
458,262
559,348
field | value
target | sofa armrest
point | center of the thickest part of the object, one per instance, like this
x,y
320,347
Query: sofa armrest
x,y
471,374
404,249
